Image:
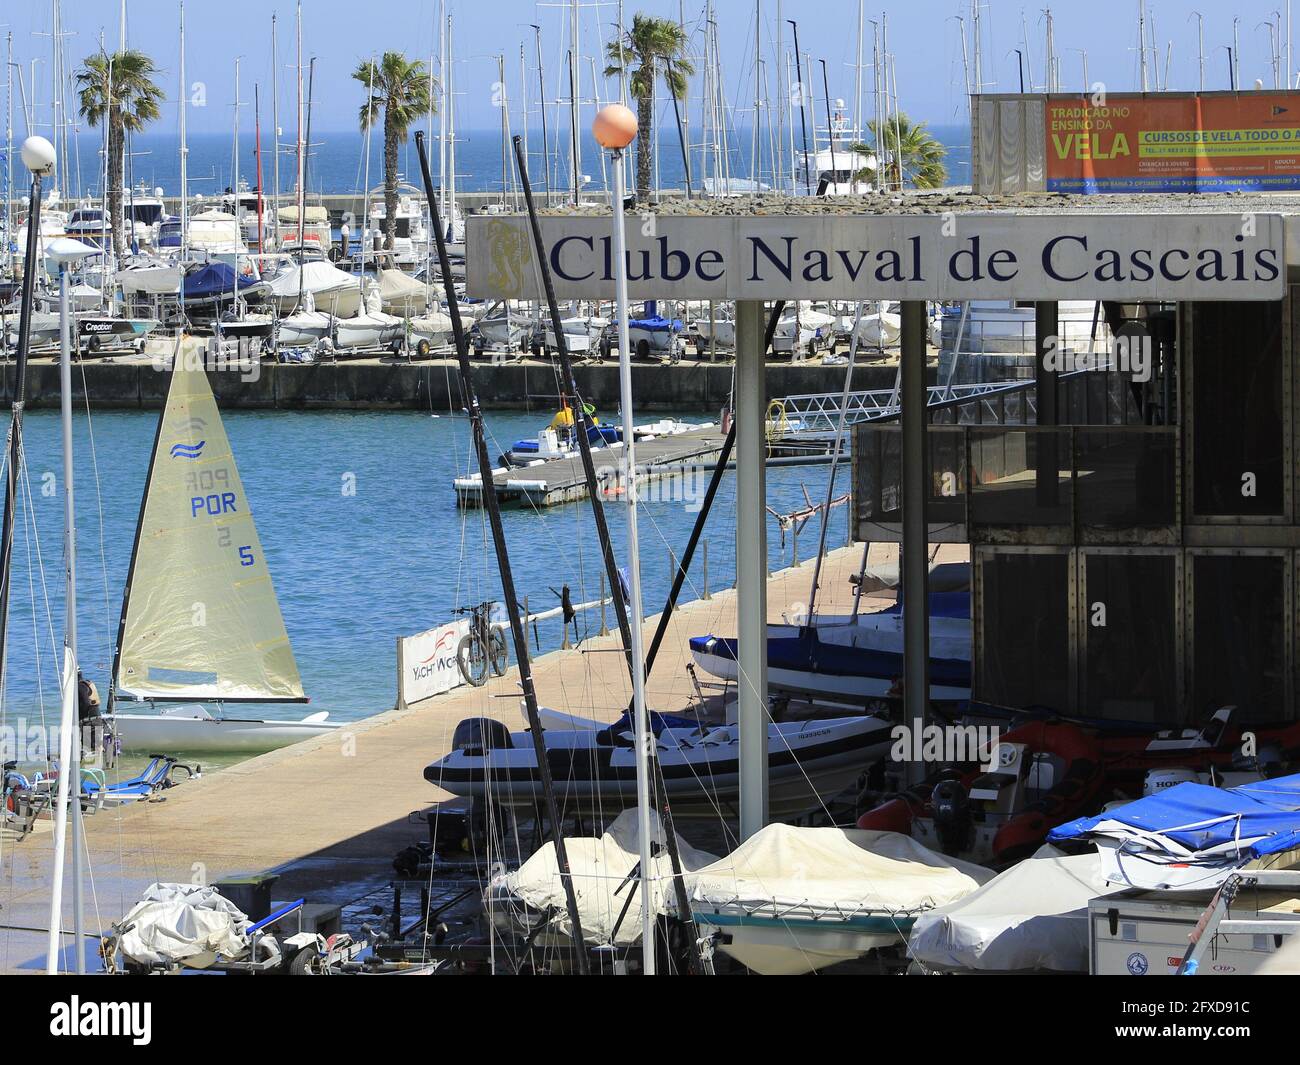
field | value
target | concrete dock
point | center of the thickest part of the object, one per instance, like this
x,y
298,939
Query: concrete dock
x,y
329,814
390,383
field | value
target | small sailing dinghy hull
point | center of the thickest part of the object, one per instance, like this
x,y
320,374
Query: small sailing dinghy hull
x,y
809,763
193,732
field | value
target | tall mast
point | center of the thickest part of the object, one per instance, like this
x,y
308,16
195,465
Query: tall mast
x,y
234,166
302,202
69,724
275,121
450,220
541,104
185,156
975,28
574,110
1142,43
444,26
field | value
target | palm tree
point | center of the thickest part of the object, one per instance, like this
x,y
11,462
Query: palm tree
x,y
649,42
402,88
118,92
910,153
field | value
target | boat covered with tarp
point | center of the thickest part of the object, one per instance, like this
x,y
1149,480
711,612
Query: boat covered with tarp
x,y
606,879
1033,916
1193,836
793,900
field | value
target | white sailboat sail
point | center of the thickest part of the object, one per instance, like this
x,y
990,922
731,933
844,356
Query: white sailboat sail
x,y
200,618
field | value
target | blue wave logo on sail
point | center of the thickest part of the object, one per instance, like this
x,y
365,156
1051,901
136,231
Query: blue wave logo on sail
x,y
187,451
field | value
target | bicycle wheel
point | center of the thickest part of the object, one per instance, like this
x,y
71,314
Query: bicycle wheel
x,y
471,660
500,657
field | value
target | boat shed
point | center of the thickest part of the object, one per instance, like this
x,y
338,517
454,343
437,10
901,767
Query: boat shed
x,y
1133,519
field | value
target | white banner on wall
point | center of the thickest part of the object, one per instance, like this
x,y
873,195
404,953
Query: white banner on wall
x,y
426,662
941,256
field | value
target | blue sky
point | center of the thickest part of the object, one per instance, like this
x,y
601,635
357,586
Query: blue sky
x,y
922,33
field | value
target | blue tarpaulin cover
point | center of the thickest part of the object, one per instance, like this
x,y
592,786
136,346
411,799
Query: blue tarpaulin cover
x,y
213,279
1263,817
656,324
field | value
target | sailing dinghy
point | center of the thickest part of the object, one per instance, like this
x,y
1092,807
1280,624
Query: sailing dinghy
x,y
200,620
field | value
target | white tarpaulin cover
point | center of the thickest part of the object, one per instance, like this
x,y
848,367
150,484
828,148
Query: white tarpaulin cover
x,y
317,277
819,872
1032,916
401,293
598,866
178,922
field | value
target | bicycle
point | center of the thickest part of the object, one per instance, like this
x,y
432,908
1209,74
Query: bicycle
x,y
482,648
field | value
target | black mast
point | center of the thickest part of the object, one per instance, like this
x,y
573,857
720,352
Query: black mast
x,y
503,562
32,265
803,121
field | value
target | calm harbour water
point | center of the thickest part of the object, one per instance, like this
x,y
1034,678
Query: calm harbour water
x,y
353,572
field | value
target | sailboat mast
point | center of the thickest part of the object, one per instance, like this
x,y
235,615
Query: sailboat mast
x,y
69,724
275,121
302,203
185,156
520,637
574,108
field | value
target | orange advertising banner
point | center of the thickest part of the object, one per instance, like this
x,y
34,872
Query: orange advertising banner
x,y
1174,142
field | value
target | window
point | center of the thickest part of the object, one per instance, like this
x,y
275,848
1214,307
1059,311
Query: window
x,y
1024,630
1238,640
1236,444
1129,638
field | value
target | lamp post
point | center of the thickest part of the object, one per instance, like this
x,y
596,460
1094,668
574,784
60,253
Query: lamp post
x,y
614,129
66,252
38,157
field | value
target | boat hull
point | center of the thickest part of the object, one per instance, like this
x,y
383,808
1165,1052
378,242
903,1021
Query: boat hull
x,y
150,733
809,763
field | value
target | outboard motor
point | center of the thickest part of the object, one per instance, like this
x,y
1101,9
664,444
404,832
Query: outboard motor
x,y
950,803
477,735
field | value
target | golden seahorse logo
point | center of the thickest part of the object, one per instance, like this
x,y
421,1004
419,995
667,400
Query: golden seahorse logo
x,y
508,254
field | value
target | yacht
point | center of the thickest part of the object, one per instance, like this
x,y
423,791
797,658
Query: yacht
x,y
411,236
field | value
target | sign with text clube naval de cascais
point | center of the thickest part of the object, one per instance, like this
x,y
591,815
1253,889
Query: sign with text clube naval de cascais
x,y
955,256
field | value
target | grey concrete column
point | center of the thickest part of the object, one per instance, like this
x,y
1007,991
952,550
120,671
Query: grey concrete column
x,y
751,563
1047,477
914,564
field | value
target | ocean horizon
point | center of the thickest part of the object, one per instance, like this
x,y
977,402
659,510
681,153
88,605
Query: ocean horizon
x,y
337,164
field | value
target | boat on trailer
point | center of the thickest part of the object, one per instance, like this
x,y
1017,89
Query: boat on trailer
x,y
196,543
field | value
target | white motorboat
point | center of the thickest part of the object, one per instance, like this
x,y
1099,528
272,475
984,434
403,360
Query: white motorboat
x,y
809,763
794,900
410,233
196,548
192,729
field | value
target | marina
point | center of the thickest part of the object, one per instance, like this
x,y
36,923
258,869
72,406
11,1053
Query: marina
x,y
607,514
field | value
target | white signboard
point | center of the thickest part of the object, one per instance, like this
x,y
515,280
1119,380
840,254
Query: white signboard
x,y
426,662
953,256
